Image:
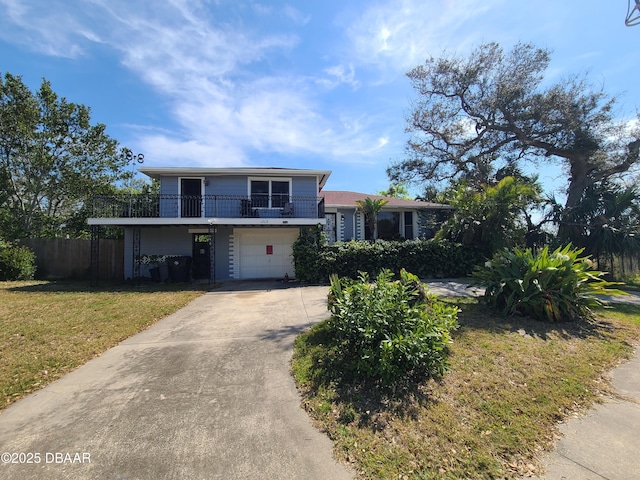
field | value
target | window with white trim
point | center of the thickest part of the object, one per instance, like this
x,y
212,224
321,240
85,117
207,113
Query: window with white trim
x,y
269,193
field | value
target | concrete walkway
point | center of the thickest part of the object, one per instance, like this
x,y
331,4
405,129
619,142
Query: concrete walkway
x,y
457,287
453,288
604,444
632,298
203,394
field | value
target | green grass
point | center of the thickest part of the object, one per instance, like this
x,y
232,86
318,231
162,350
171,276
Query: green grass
x,y
50,328
511,381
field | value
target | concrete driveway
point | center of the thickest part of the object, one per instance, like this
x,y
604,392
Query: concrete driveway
x,y
203,394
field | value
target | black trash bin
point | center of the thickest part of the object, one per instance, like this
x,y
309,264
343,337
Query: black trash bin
x,y
155,274
179,269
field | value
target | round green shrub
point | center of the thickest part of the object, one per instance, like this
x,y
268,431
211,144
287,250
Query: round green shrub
x,y
388,330
16,262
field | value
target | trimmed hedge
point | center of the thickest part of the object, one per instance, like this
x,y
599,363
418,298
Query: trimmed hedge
x,y
315,261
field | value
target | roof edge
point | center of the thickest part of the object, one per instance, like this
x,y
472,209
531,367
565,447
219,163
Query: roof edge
x,y
157,172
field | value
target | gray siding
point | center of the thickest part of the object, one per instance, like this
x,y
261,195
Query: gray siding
x,y
222,252
349,233
228,185
169,186
169,207
304,187
238,185
223,196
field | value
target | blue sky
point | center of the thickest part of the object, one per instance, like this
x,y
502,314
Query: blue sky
x,y
309,84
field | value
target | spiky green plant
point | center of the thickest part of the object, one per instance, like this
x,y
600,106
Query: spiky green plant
x,y
557,286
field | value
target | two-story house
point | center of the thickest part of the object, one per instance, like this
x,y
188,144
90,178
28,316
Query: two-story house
x,y
238,223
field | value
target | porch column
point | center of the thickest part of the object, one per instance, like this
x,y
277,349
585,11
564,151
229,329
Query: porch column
x,y
212,254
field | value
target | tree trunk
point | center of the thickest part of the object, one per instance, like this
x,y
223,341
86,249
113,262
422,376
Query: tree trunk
x,y
570,227
612,273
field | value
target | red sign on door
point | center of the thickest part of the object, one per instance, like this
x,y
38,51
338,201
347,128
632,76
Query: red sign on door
x,y
269,249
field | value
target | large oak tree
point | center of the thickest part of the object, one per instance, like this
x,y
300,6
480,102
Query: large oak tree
x,y
52,159
495,110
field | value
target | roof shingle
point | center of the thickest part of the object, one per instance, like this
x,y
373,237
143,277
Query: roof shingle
x,y
342,198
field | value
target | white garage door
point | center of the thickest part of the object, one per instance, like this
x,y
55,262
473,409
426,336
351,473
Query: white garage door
x,y
266,252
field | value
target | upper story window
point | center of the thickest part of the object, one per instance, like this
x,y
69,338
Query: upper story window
x,y
269,193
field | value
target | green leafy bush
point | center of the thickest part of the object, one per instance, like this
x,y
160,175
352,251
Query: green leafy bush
x,y
16,262
557,286
315,261
389,330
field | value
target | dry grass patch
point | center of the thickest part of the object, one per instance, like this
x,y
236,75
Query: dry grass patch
x,y
511,381
49,328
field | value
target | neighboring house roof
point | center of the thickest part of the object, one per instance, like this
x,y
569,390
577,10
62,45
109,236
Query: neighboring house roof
x,y
157,172
340,198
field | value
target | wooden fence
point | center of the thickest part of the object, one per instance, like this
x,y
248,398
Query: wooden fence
x,y
71,258
620,268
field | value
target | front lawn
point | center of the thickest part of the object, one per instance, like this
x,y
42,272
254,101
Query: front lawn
x,y
511,381
49,328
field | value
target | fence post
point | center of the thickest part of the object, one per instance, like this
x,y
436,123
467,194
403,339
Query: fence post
x,y
136,254
95,255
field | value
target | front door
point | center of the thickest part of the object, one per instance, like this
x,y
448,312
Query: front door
x,y
201,256
190,197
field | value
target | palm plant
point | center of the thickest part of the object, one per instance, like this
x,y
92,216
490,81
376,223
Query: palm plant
x,y
494,217
371,208
609,218
616,229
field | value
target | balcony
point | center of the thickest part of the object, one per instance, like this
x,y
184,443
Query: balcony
x,y
207,206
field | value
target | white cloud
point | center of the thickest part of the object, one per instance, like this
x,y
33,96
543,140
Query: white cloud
x,y
295,15
342,74
399,34
48,30
172,151
215,75
262,9
227,110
